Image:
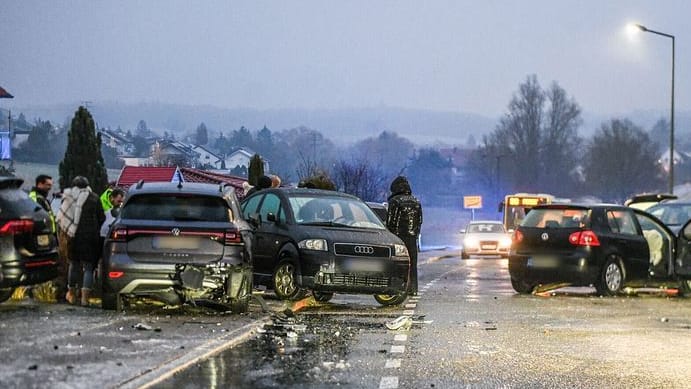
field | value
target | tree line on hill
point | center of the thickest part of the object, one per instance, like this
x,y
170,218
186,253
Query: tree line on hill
x,y
535,147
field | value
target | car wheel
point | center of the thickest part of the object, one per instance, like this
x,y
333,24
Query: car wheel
x,y
522,286
464,255
285,281
611,279
322,297
111,301
685,288
390,299
5,294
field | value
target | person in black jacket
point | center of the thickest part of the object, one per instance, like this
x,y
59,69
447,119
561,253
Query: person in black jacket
x,y
404,218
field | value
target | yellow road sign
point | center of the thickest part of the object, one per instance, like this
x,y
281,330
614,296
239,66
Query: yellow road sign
x,y
472,202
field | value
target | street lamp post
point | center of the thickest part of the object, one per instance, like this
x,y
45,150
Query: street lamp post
x,y
671,130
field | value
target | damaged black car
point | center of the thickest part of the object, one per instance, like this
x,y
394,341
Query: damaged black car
x,y
179,243
325,242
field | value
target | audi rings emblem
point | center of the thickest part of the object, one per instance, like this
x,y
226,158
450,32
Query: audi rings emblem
x,y
364,250
544,236
175,231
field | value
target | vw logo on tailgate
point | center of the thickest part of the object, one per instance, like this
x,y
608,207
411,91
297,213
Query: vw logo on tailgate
x,y
175,231
544,236
363,250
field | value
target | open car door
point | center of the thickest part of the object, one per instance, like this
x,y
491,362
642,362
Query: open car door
x,y
682,267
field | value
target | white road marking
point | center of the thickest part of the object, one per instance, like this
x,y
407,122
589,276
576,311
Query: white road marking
x,y
392,364
409,312
397,349
400,337
411,305
388,383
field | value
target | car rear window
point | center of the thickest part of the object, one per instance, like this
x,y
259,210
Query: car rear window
x,y
177,207
556,218
16,203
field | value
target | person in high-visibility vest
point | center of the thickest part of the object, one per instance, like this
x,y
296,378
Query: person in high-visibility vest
x,y
39,194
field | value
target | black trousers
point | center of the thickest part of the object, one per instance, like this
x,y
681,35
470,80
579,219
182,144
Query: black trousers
x,y
411,244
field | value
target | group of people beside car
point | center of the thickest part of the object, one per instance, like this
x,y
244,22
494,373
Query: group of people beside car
x,y
83,220
79,225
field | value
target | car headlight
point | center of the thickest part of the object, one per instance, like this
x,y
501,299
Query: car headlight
x,y
505,242
400,250
471,242
314,244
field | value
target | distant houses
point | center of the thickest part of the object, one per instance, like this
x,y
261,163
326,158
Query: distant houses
x,y
169,152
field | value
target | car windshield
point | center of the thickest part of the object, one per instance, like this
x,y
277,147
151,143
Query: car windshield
x,y
556,218
177,208
333,211
485,228
671,214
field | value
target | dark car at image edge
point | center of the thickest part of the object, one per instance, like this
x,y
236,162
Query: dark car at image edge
x,y
28,248
606,246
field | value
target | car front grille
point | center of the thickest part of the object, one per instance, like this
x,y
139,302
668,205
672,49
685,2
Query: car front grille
x,y
357,280
362,250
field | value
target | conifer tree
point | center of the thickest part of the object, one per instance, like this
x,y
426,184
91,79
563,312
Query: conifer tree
x,y
83,154
255,170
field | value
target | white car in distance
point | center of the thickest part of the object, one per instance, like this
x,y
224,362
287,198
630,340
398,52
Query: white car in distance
x,y
486,238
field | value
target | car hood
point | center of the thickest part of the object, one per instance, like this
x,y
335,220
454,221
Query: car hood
x,y
347,235
487,235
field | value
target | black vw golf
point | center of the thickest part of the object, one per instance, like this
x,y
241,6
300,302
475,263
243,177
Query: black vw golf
x,y
325,242
607,246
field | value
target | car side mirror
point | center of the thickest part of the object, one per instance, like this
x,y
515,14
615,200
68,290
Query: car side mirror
x,y
271,217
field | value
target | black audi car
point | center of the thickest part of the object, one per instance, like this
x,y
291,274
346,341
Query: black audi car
x,y
606,246
28,248
179,243
325,242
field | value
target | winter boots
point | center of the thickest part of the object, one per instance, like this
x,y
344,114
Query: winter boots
x,y
71,295
86,293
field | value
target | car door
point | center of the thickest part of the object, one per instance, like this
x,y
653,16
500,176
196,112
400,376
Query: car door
x,y
271,235
682,266
661,244
628,238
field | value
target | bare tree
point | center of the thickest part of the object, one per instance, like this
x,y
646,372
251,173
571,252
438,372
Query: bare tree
x,y
620,161
360,178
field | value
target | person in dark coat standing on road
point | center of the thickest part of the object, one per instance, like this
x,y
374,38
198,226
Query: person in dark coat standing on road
x,y
80,217
404,218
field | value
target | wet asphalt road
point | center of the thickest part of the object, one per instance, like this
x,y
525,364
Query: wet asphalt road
x,y
469,330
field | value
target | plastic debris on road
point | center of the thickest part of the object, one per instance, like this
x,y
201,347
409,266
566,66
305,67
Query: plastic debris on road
x,y
401,323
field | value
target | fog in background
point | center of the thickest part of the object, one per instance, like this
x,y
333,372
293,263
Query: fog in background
x,y
450,56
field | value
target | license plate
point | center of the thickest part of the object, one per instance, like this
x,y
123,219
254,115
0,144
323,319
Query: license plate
x,y
175,242
489,247
363,266
546,262
43,240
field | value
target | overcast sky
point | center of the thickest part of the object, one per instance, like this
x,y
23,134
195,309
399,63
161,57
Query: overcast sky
x,y
467,56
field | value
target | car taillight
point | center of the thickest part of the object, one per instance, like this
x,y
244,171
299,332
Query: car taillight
x,y
14,227
119,234
115,274
232,236
517,237
584,238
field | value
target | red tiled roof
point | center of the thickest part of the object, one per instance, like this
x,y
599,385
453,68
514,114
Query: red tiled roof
x,y
132,174
5,94
196,175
